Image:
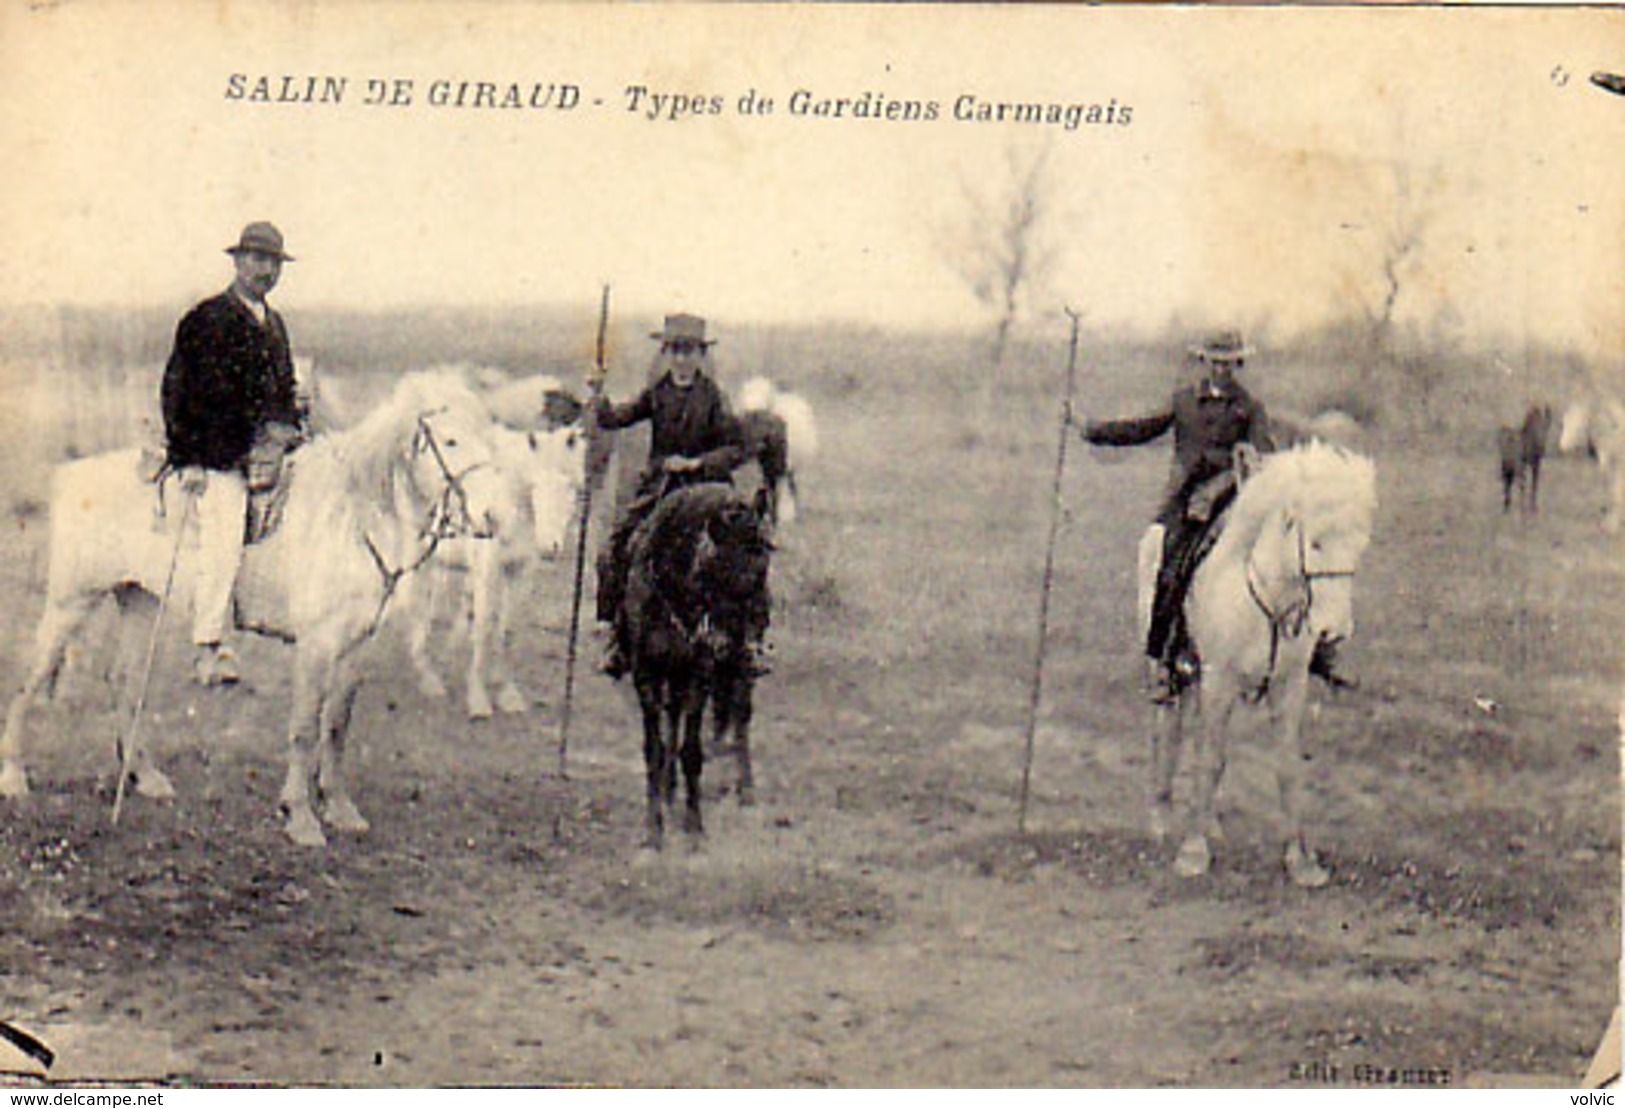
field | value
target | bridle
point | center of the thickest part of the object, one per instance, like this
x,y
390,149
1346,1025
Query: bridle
x,y
449,516
1288,623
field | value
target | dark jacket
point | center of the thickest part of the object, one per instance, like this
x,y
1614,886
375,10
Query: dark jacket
x,y
1208,421
695,422
227,378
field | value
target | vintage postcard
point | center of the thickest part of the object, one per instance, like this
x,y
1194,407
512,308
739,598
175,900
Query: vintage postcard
x,y
810,546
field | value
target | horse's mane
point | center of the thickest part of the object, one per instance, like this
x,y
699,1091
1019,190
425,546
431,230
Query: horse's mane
x,y
1336,487
368,454
670,536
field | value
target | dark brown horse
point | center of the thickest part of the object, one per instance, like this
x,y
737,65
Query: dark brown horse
x,y
1522,449
696,600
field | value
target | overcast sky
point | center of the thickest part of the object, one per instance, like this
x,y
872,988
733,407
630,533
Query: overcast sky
x,y
1270,158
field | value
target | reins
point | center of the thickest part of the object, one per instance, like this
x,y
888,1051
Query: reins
x,y
1288,623
441,523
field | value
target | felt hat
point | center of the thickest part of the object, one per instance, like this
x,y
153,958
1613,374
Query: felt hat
x,y
682,329
260,238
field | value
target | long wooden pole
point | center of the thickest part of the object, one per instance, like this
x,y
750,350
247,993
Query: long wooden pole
x,y
1049,575
127,748
595,386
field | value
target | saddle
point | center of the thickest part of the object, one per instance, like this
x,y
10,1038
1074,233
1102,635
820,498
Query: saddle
x,y
266,506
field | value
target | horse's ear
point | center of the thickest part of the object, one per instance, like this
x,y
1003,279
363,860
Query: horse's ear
x,y
1288,522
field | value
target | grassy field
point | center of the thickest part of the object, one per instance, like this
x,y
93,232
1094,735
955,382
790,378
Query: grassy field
x,y
877,920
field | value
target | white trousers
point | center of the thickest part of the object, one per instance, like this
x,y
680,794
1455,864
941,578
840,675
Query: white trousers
x,y
222,512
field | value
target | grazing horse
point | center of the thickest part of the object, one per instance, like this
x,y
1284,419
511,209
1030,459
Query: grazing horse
x,y
696,598
1597,427
791,433
1522,449
1280,578
365,508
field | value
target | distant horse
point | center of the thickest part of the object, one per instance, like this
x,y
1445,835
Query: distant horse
x,y
791,434
365,509
767,443
1280,578
1597,427
540,474
1522,449
696,597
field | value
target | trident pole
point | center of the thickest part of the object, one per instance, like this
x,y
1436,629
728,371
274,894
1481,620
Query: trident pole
x,y
1049,574
595,387
127,749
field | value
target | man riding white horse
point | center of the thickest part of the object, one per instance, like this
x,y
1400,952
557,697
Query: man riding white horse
x,y
1210,420
229,393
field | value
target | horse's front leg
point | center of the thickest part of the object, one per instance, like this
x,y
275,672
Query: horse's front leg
x,y
312,676
510,698
1287,701
1167,737
734,711
419,594
485,582
337,807
137,609
692,754
1217,703
654,759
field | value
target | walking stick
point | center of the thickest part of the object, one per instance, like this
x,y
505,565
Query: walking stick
x,y
127,747
1049,575
584,508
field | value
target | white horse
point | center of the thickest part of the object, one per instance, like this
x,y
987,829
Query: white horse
x,y
365,509
541,475
1279,579
1597,426
800,430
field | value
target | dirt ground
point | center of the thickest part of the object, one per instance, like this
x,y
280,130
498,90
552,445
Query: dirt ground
x,y
876,920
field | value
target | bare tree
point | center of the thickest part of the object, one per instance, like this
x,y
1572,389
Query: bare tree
x,y
1403,231
1003,250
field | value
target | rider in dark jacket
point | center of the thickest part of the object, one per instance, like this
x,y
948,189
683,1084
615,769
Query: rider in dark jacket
x,y
694,437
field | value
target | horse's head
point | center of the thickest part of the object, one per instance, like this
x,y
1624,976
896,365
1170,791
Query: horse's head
x,y
1314,508
730,569
450,461
555,468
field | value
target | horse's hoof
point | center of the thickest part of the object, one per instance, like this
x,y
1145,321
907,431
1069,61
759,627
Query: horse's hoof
x,y
1305,871
432,687
13,781
510,701
1215,830
692,823
304,829
342,815
479,706
747,796
154,784
1194,859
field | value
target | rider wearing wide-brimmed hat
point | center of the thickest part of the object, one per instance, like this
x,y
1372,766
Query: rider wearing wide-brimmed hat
x,y
1209,419
694,437
229,383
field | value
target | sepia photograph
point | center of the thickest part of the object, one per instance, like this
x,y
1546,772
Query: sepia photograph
x,y
825,546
